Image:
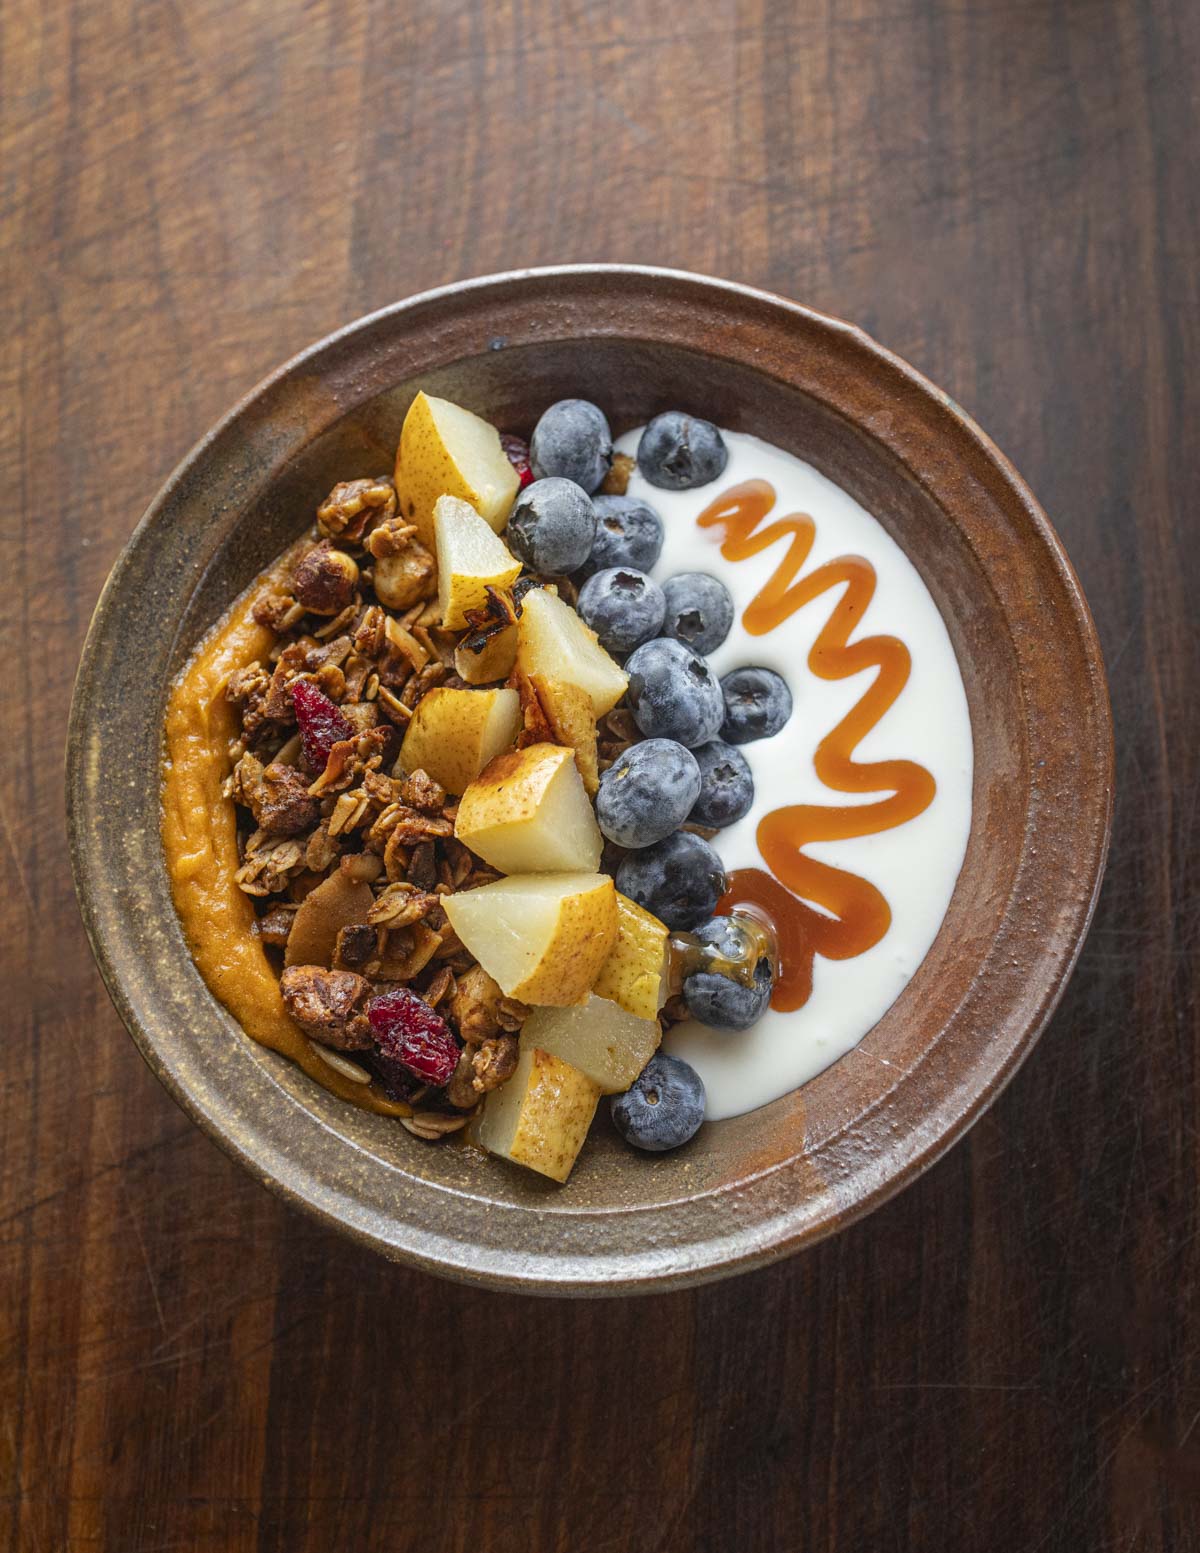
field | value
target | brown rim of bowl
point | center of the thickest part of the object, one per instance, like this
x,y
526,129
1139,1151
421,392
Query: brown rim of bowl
x,y
943,451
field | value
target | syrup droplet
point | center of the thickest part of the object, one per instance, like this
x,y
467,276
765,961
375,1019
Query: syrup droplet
x,y
754,941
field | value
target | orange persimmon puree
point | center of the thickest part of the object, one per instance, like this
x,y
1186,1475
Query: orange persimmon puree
x,y
199,836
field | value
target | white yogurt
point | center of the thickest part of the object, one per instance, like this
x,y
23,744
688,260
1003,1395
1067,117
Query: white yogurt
x,y
916,864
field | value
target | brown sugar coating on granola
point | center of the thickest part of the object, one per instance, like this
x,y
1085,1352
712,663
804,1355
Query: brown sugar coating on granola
x,y
346,859
339,861
200,841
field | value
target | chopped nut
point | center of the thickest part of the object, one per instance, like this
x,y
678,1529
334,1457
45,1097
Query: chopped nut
x,y
405,573
400,580
460,862
393,707
395,856
288,753
280,801
432,674
420,791
341,622
411,827
361,715
391,538
437,643
473,1007
331,681
274,927
384,790
325,579
279,612
242,684
353,505
329,1006
357,671
333,652
494,1061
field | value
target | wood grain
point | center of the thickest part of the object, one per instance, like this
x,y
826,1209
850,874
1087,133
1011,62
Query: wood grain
x,y
1007,1356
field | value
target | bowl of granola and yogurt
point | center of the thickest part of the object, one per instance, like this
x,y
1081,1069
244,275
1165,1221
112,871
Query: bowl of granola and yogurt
x,y
594,803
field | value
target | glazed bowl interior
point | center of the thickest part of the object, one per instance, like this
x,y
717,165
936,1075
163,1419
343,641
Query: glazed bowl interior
x,y
637,342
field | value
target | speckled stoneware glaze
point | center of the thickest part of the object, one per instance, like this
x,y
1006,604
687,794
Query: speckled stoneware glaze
x,y
638,341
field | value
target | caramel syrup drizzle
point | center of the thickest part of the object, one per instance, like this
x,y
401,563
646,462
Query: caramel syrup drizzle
x,y
855,915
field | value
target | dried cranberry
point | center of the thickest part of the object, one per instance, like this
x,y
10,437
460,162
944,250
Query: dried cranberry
x,y
320,722
516,450
407,1030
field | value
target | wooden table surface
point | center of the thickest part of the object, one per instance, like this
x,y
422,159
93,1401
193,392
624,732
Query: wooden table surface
x,y
1006,193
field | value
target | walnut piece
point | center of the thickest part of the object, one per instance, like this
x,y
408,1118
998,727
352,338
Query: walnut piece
x,y
493,1063
353,505
329,1006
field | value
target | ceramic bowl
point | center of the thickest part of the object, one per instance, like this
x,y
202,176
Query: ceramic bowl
x,y
638,341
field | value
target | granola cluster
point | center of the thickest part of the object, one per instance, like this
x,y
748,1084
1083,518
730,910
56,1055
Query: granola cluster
x,y
347,862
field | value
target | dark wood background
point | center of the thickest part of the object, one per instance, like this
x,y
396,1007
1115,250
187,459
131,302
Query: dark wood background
x,y
1005,192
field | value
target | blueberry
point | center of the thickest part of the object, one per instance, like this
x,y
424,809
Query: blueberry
x,y
622,606
663,1108
572,439
552,526
647,792
699,611
726,786
721,1001
757,704
673,693
628,533
678,452
679,880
